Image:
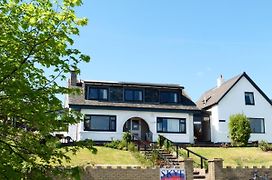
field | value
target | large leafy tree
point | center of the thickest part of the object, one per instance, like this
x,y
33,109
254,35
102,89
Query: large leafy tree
x,y
35,37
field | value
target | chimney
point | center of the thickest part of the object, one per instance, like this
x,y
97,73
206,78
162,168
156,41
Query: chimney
x,y
73,78
220,81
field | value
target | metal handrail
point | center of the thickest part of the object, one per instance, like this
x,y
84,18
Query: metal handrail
x,y
202,158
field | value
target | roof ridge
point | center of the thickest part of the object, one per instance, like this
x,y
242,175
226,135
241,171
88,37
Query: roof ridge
x,y
134,83
215,94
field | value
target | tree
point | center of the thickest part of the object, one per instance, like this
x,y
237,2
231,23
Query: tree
x,y
36,36
239,129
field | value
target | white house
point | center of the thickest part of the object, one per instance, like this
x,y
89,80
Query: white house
x,y
144,109
237,95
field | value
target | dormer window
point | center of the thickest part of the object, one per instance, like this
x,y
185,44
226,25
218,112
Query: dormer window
x,y
97,93
134,95
249,98
168,97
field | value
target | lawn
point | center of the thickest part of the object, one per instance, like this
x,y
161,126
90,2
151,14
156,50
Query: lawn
x,y
248,156
104,156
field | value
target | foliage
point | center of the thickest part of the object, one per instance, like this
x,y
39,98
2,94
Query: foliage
x,y
164,143
113,144
155,157
160,141
142,159
127,137
167,145
36,37
121,145
264,146
132,147
239,130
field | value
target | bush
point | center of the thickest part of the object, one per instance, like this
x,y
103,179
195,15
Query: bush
x,y
167,145
160,141
132,147
239,130
155,158
127,137
113,144
142,159
122,145
264,146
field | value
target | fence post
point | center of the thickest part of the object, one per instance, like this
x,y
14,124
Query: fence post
x,y
189,168
177,151
215,169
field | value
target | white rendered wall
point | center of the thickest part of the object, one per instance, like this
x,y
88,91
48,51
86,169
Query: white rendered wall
x,y
233,103
123,116
214,123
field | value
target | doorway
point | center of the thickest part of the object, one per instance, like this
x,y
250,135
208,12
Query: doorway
x,y
138,128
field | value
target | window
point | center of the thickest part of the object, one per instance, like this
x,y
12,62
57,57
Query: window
x,y
249,98
116,94
171,125
133,95
151,95
168,97
97,93
135,125
99,123
257,125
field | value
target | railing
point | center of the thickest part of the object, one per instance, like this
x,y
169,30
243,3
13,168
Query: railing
x,y
177,146
142,143
65,140
202,158
165,161
149,136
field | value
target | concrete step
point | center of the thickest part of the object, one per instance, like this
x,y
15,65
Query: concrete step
x,y
199,177
199,173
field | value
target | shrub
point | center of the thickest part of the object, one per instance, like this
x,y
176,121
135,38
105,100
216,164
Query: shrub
x,y
132,147
142,159
239,130
113,144
155,158
160,141
127,137
264,146
167,145
122,145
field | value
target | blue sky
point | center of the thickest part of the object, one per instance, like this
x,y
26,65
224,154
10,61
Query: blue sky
x,y
177,41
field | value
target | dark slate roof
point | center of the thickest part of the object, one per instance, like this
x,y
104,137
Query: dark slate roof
x,y
214,96
134,84
80,101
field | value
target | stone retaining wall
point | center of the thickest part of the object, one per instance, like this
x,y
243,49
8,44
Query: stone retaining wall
x,y
218,172
130,173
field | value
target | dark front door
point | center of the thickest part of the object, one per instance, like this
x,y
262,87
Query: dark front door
x,y
134,127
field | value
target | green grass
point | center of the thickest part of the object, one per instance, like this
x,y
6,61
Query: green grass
x,y
104,156
246,156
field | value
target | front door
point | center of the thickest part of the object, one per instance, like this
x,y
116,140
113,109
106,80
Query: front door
x,y
136,129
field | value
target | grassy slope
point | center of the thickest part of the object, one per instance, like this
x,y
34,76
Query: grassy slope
x,y
237,156
104,156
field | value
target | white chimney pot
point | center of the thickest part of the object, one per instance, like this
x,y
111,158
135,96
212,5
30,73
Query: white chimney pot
x,y
220,81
